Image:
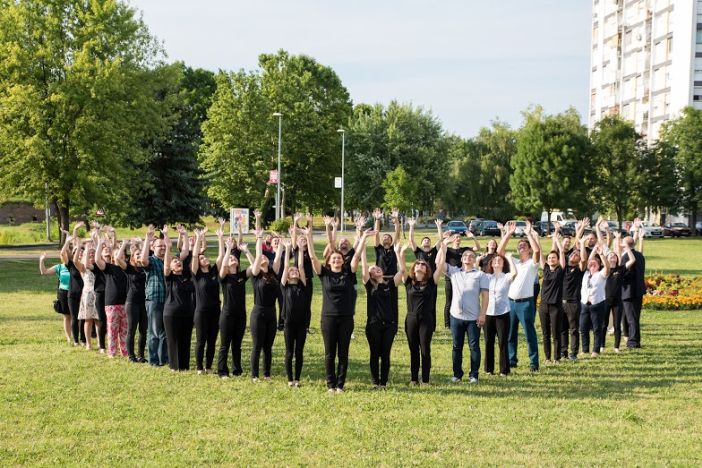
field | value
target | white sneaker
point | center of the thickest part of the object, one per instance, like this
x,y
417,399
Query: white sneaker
x,y
616,350
602,350
455,379
610,331
339,390
473,380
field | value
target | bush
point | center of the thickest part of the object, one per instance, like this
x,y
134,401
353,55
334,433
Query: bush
x,y
281,226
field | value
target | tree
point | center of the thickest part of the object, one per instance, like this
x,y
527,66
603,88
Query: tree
x,y
76,102
550,161
399,189
495,147
616,153
684,136
656,180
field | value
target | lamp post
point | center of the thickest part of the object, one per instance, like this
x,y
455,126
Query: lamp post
x,y
343,146
278,213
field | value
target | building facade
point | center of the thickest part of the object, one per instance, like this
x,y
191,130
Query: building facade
x,y
646,61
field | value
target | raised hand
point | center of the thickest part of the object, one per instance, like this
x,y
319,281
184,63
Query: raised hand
x,y
244,247
296,218
637,223
287,243
511,227
229,243
309,218
257,213
258,233
411,222
220,232
78,225
377,214
470,235
181,230
395,213
150,230
438,222
527,229
164,230
42,256
360,222
328,220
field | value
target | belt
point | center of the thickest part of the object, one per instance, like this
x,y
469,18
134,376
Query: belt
x,y
567,301
524,299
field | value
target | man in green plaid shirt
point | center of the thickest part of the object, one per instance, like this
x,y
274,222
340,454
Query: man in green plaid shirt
x,y
155,298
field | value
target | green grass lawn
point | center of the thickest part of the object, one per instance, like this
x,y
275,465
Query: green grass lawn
x,y
61,405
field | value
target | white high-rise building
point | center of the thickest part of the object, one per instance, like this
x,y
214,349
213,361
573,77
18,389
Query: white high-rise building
x,y
646,61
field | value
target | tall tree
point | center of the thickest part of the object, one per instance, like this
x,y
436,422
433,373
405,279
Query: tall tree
x,y
400,189
463,191
550,161
656,179
76,101
496,146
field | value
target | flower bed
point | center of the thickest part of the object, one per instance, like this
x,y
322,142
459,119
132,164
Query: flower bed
x,y
673,292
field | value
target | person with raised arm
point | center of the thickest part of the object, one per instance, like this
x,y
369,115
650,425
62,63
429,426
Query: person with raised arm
x,y
338,282
522,303
297,312
497,313
634,286
299,244
613,290
420,322
551,307
426,251
178,308
454,256
63,277
135,304
207,305
266,286
112,264
232,321
485,259
570,319
385,256
592,297
382,313
99,288
83,259
75,287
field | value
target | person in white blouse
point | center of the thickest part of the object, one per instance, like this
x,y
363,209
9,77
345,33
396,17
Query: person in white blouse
x,y
592,297
497,314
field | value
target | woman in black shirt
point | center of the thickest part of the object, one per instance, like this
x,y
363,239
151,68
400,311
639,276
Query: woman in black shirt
x,y
207,305
381,307
551,308
420,322
297,312
135,304
112,266
613,291
75,285
337,310
178,308
232,320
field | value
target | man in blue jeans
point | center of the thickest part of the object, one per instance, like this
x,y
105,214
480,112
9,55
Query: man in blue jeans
x,y
522,303
155,298
467,313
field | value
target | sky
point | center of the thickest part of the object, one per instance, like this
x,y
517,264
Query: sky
x,y
469,62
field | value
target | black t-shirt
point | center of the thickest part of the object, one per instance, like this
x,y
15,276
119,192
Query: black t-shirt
x,y
613,286
307,262
234,292
572,281
552,285
115,285
266,288
136,283
429,257
295,304
347,263
75,286
386,260
99,280
382,302
207,289
179,295
421,298
453,256
337,292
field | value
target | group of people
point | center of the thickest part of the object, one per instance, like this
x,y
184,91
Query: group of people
x,y
106,293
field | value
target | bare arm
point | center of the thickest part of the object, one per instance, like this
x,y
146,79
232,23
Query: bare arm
x,y
278,256
512,267
410,223
42,269
510,227
76,255
167,257
631,258
256,265
377,214
365,276
533,242
220,246
440,263
63,254
120,256
144,253
316,266
301,265
195,262
185,249
286,264
400,254
439,233
398,226
476,243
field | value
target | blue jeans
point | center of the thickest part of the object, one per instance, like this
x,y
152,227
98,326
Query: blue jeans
x,y
459,329
590,319
525,313
156,334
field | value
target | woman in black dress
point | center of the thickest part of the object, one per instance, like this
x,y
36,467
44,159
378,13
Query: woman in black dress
x,y
178,308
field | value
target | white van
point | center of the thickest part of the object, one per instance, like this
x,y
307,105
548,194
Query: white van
x,y
560,216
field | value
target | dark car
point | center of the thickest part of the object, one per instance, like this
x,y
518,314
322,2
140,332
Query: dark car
x,y
474,225
489,228
457,227
698,228
677,230
544,228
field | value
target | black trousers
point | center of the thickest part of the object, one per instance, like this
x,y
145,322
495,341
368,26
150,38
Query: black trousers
x,y
206,329
632,314
336,333
380,337
447,306
136,317
232,326
551,319
496,325
102,329
77,328
179,333
614,308
295,334
570,326
419,331
263,329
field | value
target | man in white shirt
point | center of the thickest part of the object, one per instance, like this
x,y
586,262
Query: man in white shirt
x,y
468,307
522,303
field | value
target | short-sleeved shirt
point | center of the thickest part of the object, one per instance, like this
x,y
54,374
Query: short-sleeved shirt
x,y
429,257
337,292
295,304
552,285
155,282
207,290
99,281
136,283
593,288
234,293
386,260
179,295
572,280
115,284
498,294
347,262
421,298
613,288
381,305
75,287
307,262
523,285
466,286
63,276
266,289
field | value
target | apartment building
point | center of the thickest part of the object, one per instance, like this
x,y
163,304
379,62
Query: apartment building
x,y
646,61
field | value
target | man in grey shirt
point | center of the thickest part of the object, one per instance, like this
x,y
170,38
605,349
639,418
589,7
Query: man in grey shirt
x,y
468,308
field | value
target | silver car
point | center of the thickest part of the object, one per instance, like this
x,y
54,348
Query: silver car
x,y
651,230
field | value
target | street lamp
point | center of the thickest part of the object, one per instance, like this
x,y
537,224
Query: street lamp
x,y
343,145
278,214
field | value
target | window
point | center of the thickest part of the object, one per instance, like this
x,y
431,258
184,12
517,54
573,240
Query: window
x,y
699,33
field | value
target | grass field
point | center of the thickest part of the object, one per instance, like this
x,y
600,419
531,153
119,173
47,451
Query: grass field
x,y
61,405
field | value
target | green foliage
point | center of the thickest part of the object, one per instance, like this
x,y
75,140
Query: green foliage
x,y
400,190
281,226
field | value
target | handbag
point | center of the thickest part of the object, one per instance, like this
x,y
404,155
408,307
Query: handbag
x,y
57,306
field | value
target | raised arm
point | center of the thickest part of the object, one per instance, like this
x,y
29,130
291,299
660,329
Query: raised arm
x,y
365,276
400,254
144,252
185,248
510,227
331,241
256,265
439,233
42,268
617,247
278,256
293,229
120,257
533,242
257,217
63,254
224,270
76,254
239,231
357,254
167,257
631,258
410,223
512,267
316,266
556,231
99,262
476,244
377,214
301,266
603,260
561,252
286,260
398,225
220,246
195,262
440,263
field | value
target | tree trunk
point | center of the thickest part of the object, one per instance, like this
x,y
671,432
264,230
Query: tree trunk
x,y
619,212
548,221
63,211
693,214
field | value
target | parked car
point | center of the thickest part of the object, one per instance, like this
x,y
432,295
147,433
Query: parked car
x,y
677,230
457,227
651,230
489,228
544,228
474,225
698,228
519,229
568,228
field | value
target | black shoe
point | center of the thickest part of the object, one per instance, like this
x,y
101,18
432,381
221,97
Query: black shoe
x,y
141,360
237,372
133,359
512,365
534,370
